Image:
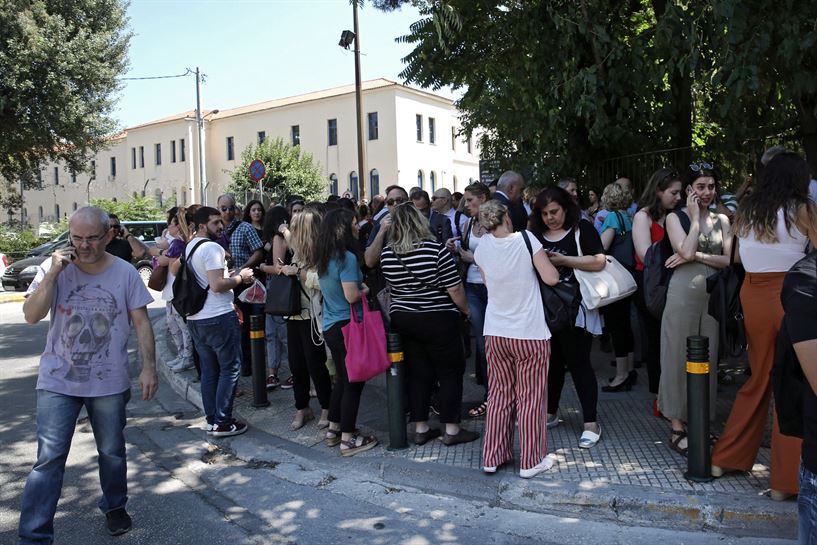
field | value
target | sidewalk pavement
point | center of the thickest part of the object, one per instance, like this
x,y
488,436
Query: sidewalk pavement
x,y
631,476
12,296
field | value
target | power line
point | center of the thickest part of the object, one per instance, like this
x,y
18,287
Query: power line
x,y
161,77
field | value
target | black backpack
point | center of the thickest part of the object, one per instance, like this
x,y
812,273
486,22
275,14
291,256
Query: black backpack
x,y
188,295
622,247
656,275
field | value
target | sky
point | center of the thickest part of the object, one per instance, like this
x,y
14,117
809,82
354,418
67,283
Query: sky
x,y
251,51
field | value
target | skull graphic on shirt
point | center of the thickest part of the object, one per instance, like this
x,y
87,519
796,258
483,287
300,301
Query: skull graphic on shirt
x,y
86,333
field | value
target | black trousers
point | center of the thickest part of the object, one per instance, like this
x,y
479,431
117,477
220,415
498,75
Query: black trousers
x,y
617,323
345,400
307,361
570,351
432,344
652,343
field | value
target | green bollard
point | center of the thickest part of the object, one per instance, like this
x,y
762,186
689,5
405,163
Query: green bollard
x,y
259,364
394,388
699,461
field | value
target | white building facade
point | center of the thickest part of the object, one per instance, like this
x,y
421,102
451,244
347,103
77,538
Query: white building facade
x,y
410,138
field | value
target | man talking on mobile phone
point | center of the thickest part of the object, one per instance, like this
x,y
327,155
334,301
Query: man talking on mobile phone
x,y
92,298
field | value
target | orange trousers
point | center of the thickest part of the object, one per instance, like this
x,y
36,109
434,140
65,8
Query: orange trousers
x,y
737,447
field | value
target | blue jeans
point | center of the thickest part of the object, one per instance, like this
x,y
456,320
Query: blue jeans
x,y
477,295
56,419
218,342
277,346
807,506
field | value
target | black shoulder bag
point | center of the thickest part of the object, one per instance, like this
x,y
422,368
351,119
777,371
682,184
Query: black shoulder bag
x,y
723,287
561,302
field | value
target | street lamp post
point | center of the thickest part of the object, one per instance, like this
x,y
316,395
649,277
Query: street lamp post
x,y
200,124
346,40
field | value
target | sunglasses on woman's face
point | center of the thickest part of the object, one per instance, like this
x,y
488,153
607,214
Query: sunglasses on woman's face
x,y
395,200
697,167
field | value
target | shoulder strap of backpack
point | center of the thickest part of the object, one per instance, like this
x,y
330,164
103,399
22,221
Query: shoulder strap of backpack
x,y
457,216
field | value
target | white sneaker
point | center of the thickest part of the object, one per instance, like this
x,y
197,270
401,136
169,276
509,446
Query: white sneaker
x,y
544,465
182,365
489,469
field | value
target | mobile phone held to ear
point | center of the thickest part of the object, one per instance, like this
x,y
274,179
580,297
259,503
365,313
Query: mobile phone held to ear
x,y
71,246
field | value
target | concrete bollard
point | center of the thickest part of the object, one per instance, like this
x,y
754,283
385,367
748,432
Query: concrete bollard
x,y
699,460
259,363
394,387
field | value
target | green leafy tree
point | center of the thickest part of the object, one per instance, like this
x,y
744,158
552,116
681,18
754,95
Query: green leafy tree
x,y
134,209
290,171
557,85
59,63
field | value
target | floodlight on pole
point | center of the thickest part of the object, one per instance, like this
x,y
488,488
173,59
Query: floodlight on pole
x,y
348,37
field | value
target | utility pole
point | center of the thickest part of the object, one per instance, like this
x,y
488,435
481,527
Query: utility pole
x,y
361,164
200,123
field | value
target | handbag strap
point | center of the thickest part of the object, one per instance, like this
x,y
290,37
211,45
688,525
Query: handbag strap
x,y
732,253
622,228
420,280
578,242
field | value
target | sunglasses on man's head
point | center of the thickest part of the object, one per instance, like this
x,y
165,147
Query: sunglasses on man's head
x,y
697,167
395,200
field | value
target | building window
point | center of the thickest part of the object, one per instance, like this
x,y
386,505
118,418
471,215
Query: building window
x,y
56,175
73,177
133,158
374,183
432,177
419,128
230,149
372,125
332,126
182,151
40,210
354,186
262,135
468,143
75,207
420,179
158,149
333,184
141,156
453,139
296,135
172,151
455,183
432,134
93,170
113,167
57,212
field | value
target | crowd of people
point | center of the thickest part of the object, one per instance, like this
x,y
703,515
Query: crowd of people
x,y
449,269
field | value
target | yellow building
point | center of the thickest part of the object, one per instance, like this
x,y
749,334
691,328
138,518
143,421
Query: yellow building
x,y
410,138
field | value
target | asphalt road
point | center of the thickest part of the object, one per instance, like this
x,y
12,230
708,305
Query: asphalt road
x,y
184,490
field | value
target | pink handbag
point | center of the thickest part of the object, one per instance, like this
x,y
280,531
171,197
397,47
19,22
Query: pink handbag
x,y
365,343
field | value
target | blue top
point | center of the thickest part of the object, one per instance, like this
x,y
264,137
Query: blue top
x,y
611,221
335,305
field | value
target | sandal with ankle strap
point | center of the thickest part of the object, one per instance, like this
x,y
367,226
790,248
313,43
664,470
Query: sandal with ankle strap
x,y
479,410
357,444
675,440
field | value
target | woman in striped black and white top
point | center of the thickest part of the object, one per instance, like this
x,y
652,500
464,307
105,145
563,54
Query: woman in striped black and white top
x,y
427,297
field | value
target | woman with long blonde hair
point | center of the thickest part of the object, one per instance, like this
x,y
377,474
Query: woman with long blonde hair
x,y
773,225
307,352
427,296
177,229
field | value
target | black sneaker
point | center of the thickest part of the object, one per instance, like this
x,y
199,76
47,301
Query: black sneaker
x,y
118,521
226,430
288,384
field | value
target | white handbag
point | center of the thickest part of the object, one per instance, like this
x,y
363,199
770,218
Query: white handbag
x,y
613,283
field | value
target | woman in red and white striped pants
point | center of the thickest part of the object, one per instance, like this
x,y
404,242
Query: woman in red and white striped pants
x,y
517,343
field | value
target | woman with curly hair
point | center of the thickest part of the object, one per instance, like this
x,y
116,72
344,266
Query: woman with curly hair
x,y
254,215
773,226
338,265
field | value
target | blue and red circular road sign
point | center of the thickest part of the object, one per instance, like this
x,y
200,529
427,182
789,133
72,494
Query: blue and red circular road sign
x,y
257,170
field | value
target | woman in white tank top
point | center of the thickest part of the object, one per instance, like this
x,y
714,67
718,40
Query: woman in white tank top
x,y
773,225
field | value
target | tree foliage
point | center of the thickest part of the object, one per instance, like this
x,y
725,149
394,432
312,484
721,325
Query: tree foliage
x,y
557,85
134,209
290,171
59,63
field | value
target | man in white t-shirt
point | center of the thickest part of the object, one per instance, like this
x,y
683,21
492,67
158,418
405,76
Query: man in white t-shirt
x,y
214,329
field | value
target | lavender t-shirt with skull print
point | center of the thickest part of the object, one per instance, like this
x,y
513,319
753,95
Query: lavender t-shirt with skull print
x,y
86,350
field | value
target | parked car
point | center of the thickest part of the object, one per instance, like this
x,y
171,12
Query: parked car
x,y
48,247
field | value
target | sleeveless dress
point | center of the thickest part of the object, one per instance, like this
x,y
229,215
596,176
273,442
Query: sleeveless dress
x,y
686,314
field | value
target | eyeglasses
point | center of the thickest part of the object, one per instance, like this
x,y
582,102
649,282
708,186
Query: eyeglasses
x,y
116,226
395,200
227,208
437,198
87,240
697,167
